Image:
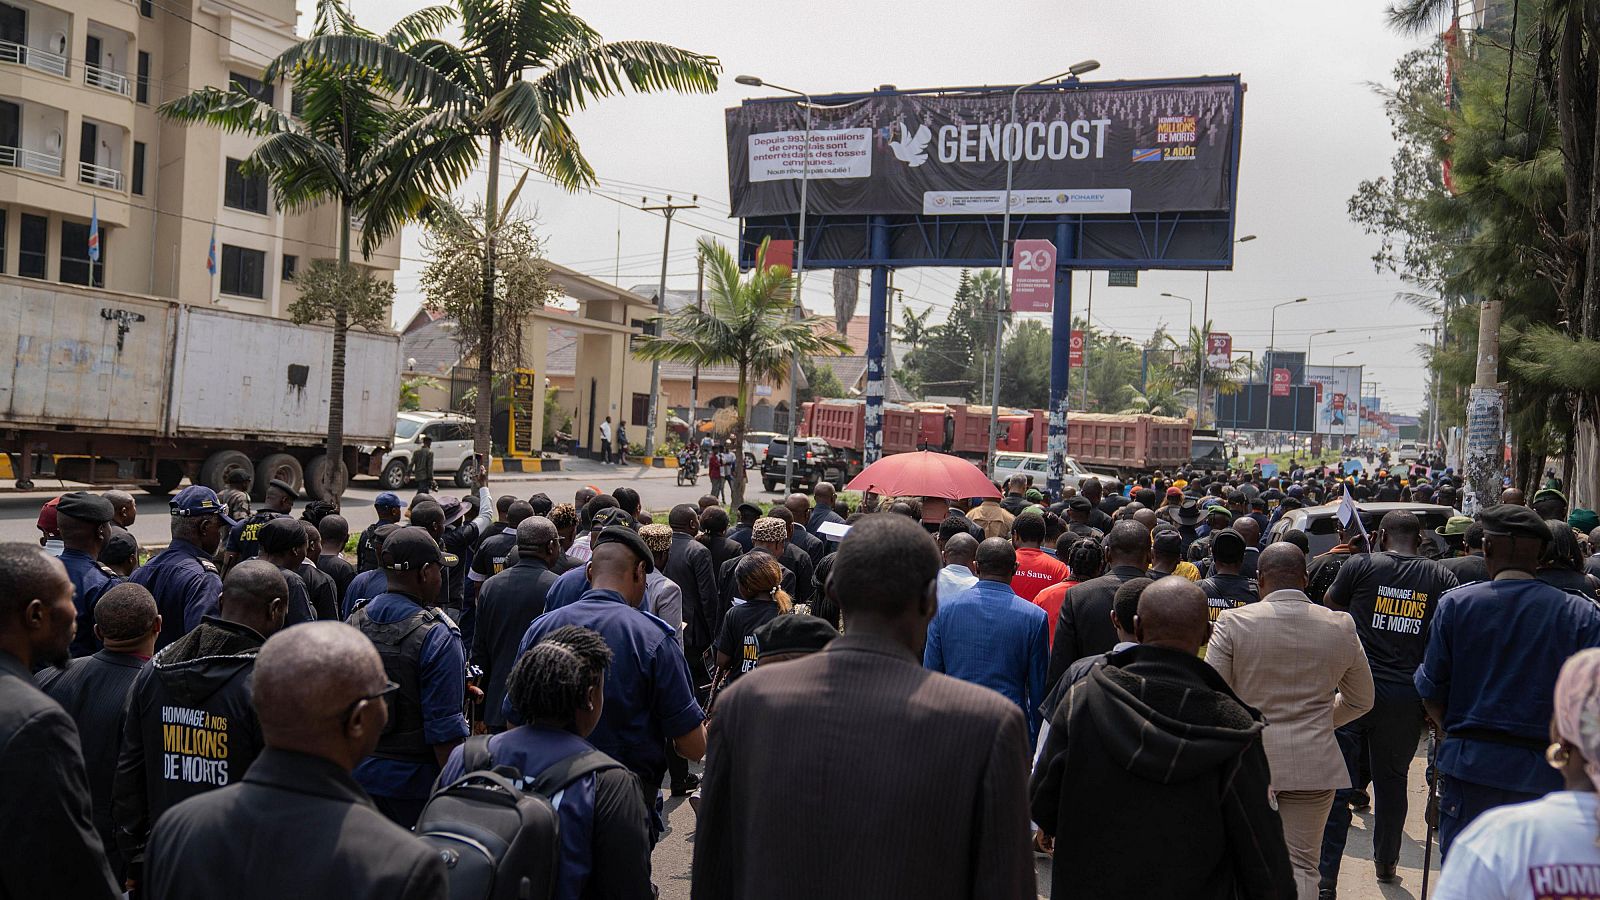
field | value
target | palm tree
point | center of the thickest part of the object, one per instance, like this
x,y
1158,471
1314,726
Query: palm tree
x,y
747,323
913,328
1159,397
1192,359
522,67
339,149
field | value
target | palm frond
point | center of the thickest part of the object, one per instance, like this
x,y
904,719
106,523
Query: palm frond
x,y
607,69
519,111
232,111
408,75
417,26
1417,17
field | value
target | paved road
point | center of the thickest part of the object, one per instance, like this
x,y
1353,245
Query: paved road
x,y
674,854
657,487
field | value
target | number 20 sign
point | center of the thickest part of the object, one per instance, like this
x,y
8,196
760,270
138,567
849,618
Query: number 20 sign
x,y
1033,276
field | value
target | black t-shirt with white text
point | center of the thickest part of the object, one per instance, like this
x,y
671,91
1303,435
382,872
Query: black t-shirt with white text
x,y
1392,598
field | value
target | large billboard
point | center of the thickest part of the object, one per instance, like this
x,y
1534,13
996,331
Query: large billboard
x,y
1115,148
1338,395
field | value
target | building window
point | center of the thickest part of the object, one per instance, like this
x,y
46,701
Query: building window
x,y
641,409
142,85
34,255
2,241
242,271
290,264
147,8
255,87
241,191
75,266
138,167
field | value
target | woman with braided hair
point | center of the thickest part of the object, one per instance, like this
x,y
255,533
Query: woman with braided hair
x,y
558,687
1551,846
759,577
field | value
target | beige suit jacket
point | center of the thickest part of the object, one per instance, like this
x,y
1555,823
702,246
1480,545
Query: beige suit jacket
x,y
1302,666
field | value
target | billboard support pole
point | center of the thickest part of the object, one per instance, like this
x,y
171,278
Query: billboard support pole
x,y
1060,358
877,338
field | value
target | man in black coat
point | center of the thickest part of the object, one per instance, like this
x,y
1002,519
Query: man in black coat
x,y
318,693
335,531
689,566
48,845
94,689
1154,742
507,605
1083,627
714,536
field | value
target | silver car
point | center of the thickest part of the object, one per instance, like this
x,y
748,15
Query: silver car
x,y
1036,467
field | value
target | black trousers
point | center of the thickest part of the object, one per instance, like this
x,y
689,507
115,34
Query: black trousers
x,y
1391,730
605,451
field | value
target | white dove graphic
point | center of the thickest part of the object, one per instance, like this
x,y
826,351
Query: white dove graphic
x,y
910,150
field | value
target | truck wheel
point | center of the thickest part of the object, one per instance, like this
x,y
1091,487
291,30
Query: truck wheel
x,y
280,466
393,477
464,474
169,474
317,470
214,471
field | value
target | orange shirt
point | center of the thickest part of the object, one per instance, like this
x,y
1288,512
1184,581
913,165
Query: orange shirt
x,y
1036,570
1050,600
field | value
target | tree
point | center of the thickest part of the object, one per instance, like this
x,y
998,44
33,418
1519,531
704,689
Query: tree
x,y
821,382
452,282
913,328
521,69
344,147
1227,379
1159,397
1025,367
748,323
411,391
1111,368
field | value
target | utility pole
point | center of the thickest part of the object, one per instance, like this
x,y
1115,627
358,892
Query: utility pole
x,y
694,380
1485,417
667,210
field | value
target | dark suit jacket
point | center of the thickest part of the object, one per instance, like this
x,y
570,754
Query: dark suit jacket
x,y
295,826
873,744
1083,627
93,692
48,845
689,566
722,549
507,604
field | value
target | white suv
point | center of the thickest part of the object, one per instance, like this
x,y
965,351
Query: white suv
x,y
452,448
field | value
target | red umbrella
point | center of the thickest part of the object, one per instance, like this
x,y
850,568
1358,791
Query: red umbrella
x,y
924,474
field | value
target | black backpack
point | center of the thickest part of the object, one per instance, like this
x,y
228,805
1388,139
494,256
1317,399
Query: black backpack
x,y
498,841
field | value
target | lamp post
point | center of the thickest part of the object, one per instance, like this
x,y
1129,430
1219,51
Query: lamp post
x,y
1200,385
1205,341
1082,68
1272,360
1317,335
799,269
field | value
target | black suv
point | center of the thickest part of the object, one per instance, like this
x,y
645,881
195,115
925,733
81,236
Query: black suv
x,y
815,463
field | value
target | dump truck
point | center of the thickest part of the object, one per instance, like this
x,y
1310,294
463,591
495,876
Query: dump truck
x,y
110,388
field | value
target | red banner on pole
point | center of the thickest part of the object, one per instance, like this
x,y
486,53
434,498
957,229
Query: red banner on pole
x,y
1075,351
1219,349
1280,382
1033,276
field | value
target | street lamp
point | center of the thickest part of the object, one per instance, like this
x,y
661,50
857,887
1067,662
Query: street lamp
x,y
1205,341
1072,73
799,266
1200,385
1191,308
1272,359
1317,335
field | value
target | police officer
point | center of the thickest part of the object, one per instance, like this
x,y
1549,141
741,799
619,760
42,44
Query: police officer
x,y
507,604
182,578
85,524
387,505
1490,671
243,540
422,653
1393,595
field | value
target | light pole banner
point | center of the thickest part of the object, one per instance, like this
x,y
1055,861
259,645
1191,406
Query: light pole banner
x,y
1075,351
1280,382
1033,276
1219,350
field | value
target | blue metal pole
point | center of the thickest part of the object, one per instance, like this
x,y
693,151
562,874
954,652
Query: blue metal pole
x,y
877,341
1060,357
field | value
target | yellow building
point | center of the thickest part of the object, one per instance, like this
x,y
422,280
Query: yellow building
x,y
80,81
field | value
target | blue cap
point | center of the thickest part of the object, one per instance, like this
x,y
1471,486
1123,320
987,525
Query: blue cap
x,y
387,500
199,500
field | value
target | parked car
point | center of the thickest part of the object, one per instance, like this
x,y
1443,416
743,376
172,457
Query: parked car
x,y
452,448
755,447
1321,523
1036,466
815,462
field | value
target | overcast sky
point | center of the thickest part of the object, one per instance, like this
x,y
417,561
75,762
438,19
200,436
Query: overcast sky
x,y
1313,128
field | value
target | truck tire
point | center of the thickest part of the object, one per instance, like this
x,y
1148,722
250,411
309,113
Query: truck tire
x,y
769,484
169,474
217,466
280,466
317,470
394,475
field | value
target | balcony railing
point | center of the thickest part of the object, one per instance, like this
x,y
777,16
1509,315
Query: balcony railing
x,y
100,176
105,79
30,160
33,58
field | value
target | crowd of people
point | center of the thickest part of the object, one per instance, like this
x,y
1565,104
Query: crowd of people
x,y
920,708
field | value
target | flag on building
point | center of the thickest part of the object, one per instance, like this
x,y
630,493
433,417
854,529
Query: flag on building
x,y
211,255
94,231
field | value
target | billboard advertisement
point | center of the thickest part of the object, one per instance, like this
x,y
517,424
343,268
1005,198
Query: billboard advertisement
x,y
1033,276
1219,350
1281,381
1338,393
1115,148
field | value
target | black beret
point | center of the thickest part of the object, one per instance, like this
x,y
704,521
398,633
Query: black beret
x,y
286,487
795,633
611,517
86,507
281,534
1511,520
617,534
119,549
1080,504
1229,536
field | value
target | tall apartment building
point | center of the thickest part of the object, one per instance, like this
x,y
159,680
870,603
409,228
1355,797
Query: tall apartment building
x,y
80,81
